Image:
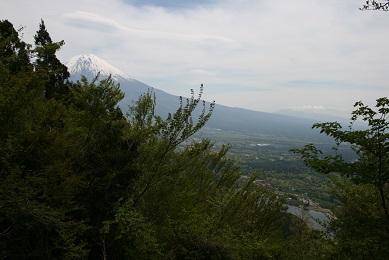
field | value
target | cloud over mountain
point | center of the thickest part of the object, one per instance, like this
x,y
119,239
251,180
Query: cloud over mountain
x,y
255,54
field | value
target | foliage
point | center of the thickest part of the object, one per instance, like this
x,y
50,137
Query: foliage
x,y
52,70
361,230
362,224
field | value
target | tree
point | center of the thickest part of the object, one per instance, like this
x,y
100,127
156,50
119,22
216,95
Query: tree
x,y
33,221
371,145
362,223
381,5
14,53
47,61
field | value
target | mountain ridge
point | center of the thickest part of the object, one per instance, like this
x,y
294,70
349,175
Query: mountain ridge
x,y
223,117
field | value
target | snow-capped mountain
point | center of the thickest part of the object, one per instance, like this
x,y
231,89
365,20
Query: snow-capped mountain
x,y
90,65
224,117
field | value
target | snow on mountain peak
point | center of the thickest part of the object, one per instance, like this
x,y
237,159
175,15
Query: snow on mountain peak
x,y
90,65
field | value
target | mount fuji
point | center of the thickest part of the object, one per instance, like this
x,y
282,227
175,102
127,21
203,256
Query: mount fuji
x,y
223,117
90,65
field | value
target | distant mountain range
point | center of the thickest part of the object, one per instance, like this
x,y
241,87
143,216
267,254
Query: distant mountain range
x,y
224,117
324,115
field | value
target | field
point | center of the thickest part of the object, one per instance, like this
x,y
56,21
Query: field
x,y
270,159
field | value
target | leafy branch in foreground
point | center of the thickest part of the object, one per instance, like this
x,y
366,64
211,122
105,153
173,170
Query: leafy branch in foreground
x,y
370,144
361,185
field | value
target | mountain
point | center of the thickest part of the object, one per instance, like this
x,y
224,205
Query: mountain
x,y
224,117
90,65
320,115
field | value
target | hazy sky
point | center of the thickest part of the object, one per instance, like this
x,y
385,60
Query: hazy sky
x,y
265,55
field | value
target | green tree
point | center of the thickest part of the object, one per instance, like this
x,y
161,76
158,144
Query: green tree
x,y
34,188
14,53
362,223
55,72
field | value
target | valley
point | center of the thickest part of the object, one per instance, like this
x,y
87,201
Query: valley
x,y
260,141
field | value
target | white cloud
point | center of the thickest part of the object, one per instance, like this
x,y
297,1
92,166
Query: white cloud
x,y
100,23
253,48
91,21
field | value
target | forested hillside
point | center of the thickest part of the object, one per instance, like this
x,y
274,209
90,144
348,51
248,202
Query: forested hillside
x,y
80,178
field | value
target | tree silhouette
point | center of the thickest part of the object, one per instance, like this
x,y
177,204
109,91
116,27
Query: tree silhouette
x,y
48,64
382,5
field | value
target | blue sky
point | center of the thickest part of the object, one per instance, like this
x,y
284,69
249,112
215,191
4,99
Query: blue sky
x,y
249,53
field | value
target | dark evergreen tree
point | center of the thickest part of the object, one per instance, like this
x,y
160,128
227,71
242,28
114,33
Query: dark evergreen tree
x,y
46,60
14,53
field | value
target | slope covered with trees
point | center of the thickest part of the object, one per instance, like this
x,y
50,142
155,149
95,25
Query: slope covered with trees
x,y
80,178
